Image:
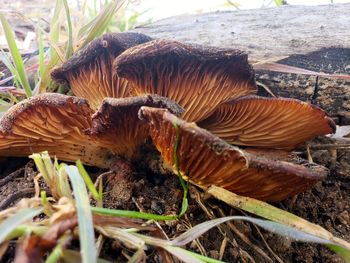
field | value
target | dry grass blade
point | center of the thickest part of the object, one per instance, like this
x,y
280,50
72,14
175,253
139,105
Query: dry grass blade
x,y
4,80
130,240
291,224
12,222
138,257
183,255
35,247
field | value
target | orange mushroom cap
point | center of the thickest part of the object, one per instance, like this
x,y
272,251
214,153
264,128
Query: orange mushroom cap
x,y
268,122
89,72
207,160
198,78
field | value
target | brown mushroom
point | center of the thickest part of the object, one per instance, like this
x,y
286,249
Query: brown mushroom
x,y
117,127
89,72
53,122
66,127
198,78
205,160
268,122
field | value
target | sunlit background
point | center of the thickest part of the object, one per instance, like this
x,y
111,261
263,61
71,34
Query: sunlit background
x,y
26,16
158,9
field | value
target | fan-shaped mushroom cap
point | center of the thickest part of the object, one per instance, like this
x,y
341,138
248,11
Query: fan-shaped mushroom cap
x,y
268,122
53,122
205,159
198,78
65,126
117,127
89,72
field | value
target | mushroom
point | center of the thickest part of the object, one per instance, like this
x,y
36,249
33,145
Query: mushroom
x,y
213,86
67,127
205,159
268,122
53,122
197,77
117,127
89,72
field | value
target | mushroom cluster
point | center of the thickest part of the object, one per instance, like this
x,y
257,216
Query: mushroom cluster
x,y
129,87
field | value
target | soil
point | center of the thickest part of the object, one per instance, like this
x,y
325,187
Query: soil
x,y
143,186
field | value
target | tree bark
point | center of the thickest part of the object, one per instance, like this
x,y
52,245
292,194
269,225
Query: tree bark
x,y
315,38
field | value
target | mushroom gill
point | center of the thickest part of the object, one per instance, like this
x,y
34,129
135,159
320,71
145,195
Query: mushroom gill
x,y
117,127
206,159
67,127
268,122
89,72
198,78
54,123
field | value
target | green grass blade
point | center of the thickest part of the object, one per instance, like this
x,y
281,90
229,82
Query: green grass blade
x,y
55,25
198,230
12,222
184,186
45,203
45,80
6,60
84,29
16,56
343,252
86,230
87,179
69,49
188,256
182,254
287,219
3,102
130,214
41,54
299,235
100,193
102,20
40,165
277,228
72,256
24,229
265,210
55,255
278,2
